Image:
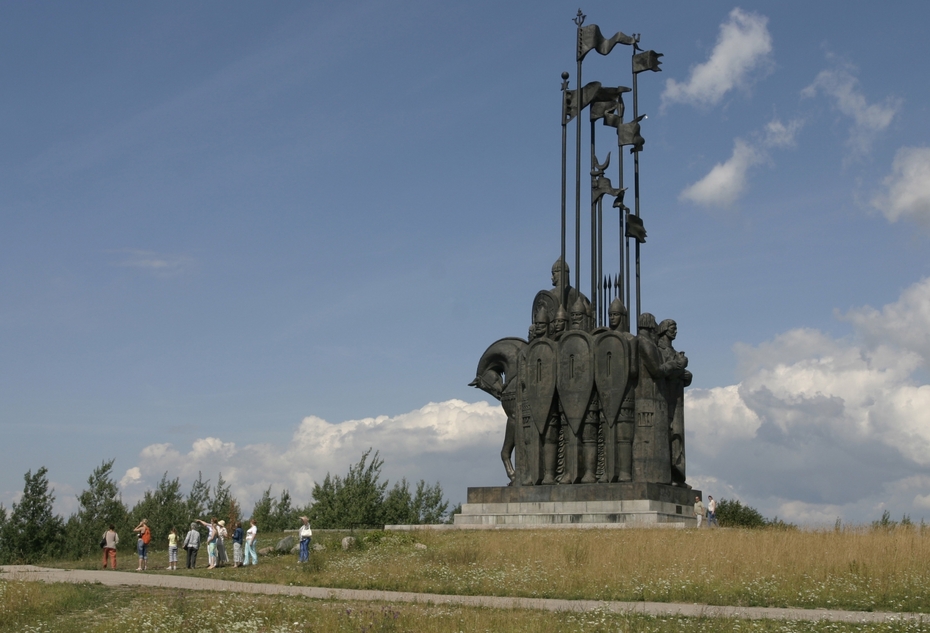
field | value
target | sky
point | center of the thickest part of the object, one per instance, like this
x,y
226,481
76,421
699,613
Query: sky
x,y
257,239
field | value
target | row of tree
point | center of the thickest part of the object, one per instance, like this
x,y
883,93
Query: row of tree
x,y
31,531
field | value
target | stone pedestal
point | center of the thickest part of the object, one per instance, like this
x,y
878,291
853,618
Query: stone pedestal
x,y
632,504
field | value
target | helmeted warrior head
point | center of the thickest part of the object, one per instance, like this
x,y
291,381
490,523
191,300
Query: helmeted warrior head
x,y
668,325
578,314
646,322
557,267
541,322
617,314
561,321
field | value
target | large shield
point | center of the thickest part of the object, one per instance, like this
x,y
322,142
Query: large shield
x,y
611,372
545,299
539,371
576,375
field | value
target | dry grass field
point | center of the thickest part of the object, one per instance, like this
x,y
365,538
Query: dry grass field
x,y
855,569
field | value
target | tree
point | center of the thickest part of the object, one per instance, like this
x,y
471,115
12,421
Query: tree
x,y
428,503
262,510
222,499
398,505
32,531
100,505
163,507
351,502
198,500
284,514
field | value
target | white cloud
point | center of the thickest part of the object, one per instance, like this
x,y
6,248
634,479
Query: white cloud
x,y
820,428
778,134
724,184
727,181
160,264
744,45
453,442
868,119
907,188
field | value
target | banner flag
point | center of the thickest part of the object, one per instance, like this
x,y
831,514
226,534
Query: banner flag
x,y
589,37
635,228
647,60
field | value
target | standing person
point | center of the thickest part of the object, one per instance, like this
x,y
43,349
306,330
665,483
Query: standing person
x,y
237,545
212,533
142,545
711,512
192,544
250,539
221,557
305,534
173,549
110,541
698,511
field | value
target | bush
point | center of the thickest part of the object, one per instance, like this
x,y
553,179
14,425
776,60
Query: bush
x,y
735,514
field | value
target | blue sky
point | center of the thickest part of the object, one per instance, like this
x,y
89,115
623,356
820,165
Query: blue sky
x,y
258,238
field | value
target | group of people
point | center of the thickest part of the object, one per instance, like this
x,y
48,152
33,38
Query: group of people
x,y
243,544
710,511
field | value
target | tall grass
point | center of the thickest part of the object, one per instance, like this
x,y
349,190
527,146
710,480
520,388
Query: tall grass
x,y
858,569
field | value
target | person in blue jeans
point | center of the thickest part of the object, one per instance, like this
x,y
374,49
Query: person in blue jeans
x,y
711,512
305,534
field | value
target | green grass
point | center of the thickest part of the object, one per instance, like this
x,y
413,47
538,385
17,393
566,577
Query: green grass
x,y
868,570
35,607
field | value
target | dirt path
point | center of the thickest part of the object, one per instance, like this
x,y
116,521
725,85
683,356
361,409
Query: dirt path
x,y
118,578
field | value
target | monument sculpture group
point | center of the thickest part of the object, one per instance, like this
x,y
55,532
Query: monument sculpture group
x,y
587,401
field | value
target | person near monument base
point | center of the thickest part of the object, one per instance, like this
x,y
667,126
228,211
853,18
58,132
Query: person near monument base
x,y
142,545
191,545
250,538
173,549
110,541
305,534
711,512
698,511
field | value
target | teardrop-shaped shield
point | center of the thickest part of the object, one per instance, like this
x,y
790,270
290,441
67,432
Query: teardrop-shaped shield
x,y
611,372
538,371
576,375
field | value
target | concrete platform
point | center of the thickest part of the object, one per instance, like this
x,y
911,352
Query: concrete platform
x,y
632,504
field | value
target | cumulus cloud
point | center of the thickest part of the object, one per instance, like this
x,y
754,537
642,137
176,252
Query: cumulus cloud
x,y
453,442
725,182
868,120
819,427
744,45
906,191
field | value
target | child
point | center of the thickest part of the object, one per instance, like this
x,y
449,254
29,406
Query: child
x,y
173,550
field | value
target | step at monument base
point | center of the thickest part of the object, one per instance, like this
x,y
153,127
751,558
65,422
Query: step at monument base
x,y
632,504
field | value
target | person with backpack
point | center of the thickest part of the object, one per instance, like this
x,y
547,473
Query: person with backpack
x,y
213,531
142,546
192,544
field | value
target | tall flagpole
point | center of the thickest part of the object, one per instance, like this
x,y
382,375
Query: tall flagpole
x,y
579,20
592,161
636,187
563,282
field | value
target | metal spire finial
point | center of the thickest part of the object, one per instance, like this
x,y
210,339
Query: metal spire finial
x,y
579,19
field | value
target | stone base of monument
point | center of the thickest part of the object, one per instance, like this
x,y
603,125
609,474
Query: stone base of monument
x,y
634,504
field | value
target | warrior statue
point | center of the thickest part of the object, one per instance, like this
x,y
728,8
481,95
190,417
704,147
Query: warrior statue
x,y
651,449
676,381
617,393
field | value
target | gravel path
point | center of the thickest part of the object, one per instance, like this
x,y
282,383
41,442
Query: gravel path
x,y
118,578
